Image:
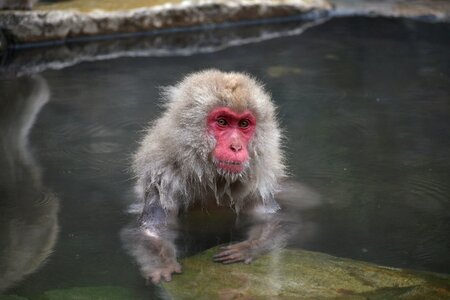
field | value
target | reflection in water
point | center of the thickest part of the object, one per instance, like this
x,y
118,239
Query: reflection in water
x,y
28,222
36,60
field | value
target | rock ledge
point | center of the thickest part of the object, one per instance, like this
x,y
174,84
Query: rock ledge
x,y
299,274
22,27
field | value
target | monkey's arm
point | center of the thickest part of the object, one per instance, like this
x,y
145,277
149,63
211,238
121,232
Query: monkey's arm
x,y
266,233
151,242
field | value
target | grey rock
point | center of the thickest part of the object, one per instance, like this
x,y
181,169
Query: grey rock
x,y
35,26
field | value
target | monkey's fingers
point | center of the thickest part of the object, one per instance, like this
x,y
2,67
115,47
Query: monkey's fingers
x,y
233,260
229,256
177,268
222,255
174,267
167,276
164,273
155,277
230,259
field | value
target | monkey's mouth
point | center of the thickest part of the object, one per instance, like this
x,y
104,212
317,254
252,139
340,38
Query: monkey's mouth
x,y
231,166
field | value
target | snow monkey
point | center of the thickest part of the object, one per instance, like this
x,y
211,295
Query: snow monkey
x,y
218,140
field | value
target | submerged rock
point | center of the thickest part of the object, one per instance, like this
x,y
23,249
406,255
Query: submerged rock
x,y
11,297
299,274
83,293
88,293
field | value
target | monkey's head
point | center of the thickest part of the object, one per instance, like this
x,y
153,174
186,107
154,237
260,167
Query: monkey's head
x,y
232,131
225,121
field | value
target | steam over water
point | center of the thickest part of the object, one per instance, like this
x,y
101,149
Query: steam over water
x,y
364,103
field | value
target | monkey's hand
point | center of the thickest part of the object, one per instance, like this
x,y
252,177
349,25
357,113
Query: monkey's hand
x,y
155,255
262,239
164,272
240,252
162,252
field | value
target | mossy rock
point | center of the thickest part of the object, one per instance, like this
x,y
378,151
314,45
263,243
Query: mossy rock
x,y
12,297
297,274
89,293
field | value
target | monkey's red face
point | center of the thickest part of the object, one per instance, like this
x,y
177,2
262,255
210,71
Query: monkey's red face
x,y
232,131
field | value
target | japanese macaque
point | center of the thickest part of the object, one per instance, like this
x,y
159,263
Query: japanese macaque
x,y
218,141
17,4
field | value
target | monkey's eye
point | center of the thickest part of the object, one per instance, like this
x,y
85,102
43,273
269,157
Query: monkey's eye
x,y
222,122
244,123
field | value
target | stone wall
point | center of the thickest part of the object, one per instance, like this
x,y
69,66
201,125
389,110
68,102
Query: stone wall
x,y
38,26
56,26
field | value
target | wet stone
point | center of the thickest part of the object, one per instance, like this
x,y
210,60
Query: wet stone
x,y
11,297
81,293
88,293
59,24
298,274
74,19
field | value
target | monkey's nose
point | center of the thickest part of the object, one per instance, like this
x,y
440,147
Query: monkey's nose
x,y
236,147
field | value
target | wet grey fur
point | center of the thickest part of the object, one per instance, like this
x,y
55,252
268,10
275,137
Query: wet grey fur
x,y
174,158
174,168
